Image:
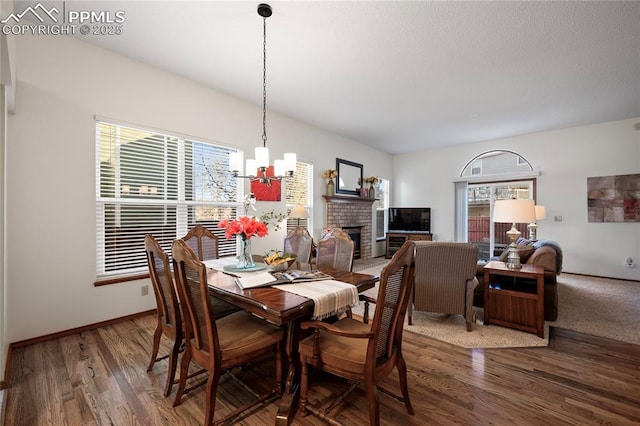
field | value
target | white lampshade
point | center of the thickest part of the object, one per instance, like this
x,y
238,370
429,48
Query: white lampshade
x,y
290,161
251,167
235,162
541,213
278,168
298,212
262,156
514,211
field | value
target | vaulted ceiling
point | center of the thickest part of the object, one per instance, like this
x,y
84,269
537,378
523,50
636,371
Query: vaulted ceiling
x,y
401,76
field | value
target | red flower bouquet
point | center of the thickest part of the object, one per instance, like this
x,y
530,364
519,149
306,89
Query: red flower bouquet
x,y
244,226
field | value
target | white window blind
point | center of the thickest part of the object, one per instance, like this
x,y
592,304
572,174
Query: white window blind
x,y
298,191
159,184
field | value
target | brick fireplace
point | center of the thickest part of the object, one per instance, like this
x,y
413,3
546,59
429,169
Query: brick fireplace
x,y
352,213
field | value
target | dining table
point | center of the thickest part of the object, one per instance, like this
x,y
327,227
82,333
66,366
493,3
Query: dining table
x,y
284,309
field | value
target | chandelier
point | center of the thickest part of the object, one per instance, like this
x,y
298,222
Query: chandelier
x,y
259,165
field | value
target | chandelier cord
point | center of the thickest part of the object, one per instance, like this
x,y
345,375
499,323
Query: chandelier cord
x,y
264,81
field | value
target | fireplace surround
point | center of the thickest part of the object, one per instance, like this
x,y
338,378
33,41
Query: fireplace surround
x,y
352,215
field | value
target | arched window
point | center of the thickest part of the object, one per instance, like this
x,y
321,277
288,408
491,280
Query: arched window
x,y
497,162
487,177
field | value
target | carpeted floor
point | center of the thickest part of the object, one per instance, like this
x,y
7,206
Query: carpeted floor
x,y
598,306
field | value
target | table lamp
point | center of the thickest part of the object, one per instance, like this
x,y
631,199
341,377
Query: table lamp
x,y
298,212
541,213
514,211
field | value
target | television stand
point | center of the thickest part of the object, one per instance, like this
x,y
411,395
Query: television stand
x,y
395,240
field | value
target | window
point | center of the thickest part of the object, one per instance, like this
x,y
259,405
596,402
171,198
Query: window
x,y
298,191
496,162
489,236
503,175
149,182
382,208
476,167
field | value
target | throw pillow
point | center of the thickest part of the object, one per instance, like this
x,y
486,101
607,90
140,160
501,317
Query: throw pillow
x,y
524,250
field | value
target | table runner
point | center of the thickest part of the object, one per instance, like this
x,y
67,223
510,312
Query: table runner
x,y
329,297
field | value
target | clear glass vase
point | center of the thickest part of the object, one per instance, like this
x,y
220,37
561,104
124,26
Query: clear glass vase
x,y
245,258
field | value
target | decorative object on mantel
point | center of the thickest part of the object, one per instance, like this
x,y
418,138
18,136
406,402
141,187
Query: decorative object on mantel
x,y
281,168
330,174
364,192
372,180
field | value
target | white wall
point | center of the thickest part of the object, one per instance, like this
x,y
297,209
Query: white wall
x,y
62,84
7,93
566,158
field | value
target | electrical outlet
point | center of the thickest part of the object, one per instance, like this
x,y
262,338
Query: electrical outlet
x,y
629,263
557,218
144,290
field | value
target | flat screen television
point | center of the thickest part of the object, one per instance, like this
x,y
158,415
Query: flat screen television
x,y
410,219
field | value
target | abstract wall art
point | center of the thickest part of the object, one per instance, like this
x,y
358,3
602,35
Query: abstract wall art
x,y
614,198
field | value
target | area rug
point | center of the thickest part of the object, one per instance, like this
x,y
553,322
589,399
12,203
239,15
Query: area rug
x,y
375,262
598,306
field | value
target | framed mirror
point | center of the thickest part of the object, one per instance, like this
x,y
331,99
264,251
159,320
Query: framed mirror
x,y
349,177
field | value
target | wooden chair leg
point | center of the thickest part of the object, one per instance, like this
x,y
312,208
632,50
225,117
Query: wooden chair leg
x,y
184,372
212,388
402,375
173,363
469,328
156,346
374,404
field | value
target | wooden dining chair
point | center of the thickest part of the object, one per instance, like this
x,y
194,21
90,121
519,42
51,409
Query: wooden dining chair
x,y
169,320
299,242
204,244
359,352
335,250
218,345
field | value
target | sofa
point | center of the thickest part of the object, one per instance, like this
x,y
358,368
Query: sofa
x,y
545,253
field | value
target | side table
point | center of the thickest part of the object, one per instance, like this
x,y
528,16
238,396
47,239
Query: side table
x,y
514,297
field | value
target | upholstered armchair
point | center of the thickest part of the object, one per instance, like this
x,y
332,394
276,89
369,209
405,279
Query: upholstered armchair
x,y
445,279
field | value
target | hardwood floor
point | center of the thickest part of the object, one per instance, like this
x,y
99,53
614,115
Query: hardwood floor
x,y
99,378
